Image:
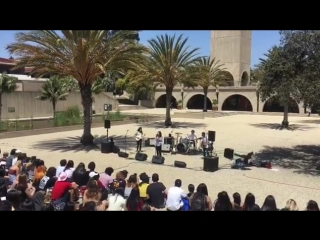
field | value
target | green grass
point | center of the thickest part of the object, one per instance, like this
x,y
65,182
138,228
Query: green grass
x,y
114,116
72,116
15,125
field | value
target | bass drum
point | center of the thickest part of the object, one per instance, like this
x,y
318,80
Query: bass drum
x,y
182,147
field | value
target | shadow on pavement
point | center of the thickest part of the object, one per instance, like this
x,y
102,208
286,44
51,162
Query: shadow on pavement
x,y
176,125
73,143
303,159
277,126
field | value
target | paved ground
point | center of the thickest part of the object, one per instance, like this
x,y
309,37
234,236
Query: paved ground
x,y
295,151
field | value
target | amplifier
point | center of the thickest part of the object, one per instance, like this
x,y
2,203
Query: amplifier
x,y
165,148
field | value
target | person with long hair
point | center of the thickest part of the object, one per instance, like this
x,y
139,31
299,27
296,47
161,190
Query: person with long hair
x,y
48,181
200,200
134,203
117,201
291,205
237,205
14,171
312,206
158,144
38,175
131,183
80,175
92,193
139,136
250,203
21,184
69,169
223,202
269,204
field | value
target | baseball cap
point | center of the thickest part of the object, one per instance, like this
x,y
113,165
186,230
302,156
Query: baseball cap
x,y
93,174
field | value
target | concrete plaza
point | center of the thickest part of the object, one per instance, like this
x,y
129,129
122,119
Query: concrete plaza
x,y
293,153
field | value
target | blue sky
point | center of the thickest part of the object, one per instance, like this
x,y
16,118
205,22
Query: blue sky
x,y
261,41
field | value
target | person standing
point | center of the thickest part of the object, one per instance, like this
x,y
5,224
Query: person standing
x,y
158,144
204,144
139,136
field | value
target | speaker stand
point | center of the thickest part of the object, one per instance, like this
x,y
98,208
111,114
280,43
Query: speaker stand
x,y
107,134
125,142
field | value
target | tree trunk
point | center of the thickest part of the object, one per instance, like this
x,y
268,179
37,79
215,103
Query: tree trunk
x,y
54,110
169,91
258,98
285,122
86,97
205,103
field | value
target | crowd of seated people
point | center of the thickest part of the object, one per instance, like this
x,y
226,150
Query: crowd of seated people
x,y
26,184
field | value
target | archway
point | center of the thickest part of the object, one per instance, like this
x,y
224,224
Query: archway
x,y
228,79
162,101
244,79
273,105
237,103
197,101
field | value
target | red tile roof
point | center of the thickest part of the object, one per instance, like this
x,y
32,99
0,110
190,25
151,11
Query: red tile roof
x,y
7,61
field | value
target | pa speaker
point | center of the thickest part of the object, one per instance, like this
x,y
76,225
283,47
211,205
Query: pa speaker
x,y
211,136
106,147
141,157
157,160
228,153
107,124
123,154
180,164
210,164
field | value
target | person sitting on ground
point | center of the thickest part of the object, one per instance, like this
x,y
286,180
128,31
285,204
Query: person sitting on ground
x,y
105,178
3,175
250,203
118,182
89,207
61,188
80,175
10,158
131,183
223,202
175,196
312,206
290,206
17,157
134,202
200,200
143,185
5,206
156,192
4,186
117,201
48,181
95,176
191,189
237,205
26,205
21,184
39,174
69,169
91,167
14,171
47,207
269,204
92,193
14,198
62,166
3,160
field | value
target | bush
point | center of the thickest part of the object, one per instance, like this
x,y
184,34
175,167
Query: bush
x,y
72,116
114,116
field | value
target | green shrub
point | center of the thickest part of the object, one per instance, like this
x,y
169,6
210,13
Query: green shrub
x,y
72,116
114,116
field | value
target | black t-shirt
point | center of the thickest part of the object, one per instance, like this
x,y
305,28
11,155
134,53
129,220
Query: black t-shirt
x,y
156,196
51,182
81,177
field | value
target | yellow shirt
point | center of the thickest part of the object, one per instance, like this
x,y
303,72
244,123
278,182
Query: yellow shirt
x,y
143,190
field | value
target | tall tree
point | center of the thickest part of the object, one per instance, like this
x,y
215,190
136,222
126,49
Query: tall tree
x,y
82,54
8,84
54,90
166,64
279,80
207,73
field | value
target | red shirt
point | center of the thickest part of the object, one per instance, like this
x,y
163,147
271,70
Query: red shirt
x,y
59,189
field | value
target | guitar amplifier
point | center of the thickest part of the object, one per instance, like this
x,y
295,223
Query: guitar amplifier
x,y
150,142
165,148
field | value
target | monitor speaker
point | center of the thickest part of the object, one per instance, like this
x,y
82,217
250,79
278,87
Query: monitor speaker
x,y
210,164
157,160
180,164
141,157
211,136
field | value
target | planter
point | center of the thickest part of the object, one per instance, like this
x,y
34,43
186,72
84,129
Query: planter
x,y
214,108
179,107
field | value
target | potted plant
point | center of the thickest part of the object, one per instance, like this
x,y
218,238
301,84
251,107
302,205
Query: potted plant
x,y
214,105
179,104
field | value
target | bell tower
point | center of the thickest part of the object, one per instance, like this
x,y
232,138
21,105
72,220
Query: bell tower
x,y
233,48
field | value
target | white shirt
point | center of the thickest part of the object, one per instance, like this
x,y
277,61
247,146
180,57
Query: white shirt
x,y
175,195
116,203
192,137
69,172
204,142
158,141
59,170
14,161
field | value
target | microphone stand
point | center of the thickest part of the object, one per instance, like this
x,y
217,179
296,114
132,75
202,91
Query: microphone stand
x,y
125,142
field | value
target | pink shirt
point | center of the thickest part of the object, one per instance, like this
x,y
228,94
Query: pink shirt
x,y
105,179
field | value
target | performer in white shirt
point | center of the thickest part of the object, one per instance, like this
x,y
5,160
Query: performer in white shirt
x,y
158,144
204,144
192,139
139,136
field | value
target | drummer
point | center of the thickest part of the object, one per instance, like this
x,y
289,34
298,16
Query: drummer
x,y
192,139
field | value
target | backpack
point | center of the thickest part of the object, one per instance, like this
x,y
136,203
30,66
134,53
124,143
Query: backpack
x,y
186,206
198,202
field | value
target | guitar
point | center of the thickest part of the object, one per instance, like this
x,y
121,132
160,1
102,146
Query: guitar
x,y
139,137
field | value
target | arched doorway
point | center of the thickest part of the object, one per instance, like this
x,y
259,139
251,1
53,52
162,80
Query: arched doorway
x,y
273,105
162,101
237,103
228,79
244,79
197,101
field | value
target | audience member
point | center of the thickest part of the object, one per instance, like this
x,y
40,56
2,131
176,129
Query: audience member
x,y
269,204
250,203
223,202
290,206
106,178
143,185
156,192
191,189
134,202
62,166
80,175
69,169
237,204
175,196
117,201
14,171
312,206
200,201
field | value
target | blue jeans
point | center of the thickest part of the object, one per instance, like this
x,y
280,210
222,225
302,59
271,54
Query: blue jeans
x,y
205,152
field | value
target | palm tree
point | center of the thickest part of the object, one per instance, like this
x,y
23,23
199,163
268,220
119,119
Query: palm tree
x,y
54,90
166,64
207,73
8,84
82,54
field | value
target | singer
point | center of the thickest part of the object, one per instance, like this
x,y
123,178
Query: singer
x,y
139,137
158,144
